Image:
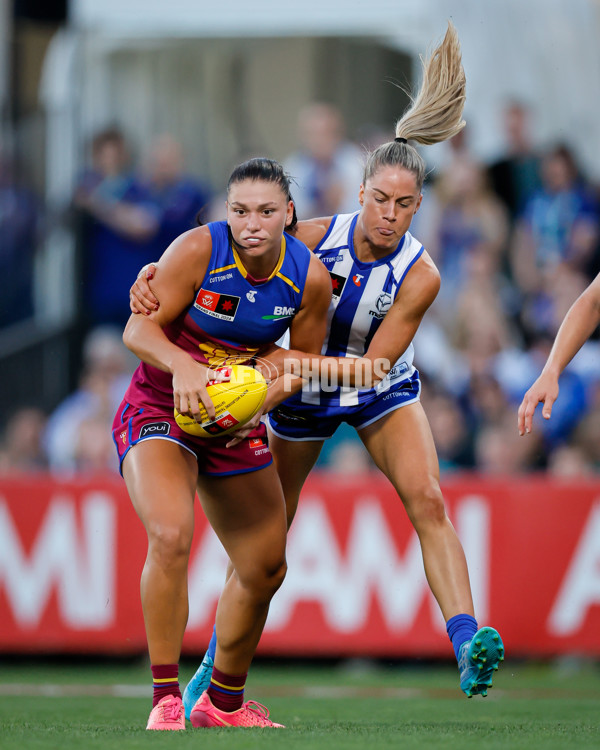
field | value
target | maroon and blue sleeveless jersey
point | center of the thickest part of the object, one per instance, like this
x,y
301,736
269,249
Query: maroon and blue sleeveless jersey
x,y
230,319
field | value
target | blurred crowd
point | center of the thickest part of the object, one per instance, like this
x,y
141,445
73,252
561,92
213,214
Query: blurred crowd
x,y
125,216
516,241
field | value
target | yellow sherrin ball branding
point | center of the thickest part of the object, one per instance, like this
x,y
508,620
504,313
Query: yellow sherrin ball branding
x,y
236,401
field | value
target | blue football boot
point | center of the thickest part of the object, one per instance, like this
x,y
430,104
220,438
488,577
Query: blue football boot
x,y
198,684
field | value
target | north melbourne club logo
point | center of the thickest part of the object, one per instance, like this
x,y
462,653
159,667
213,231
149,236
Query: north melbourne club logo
x,y
383,304
222,306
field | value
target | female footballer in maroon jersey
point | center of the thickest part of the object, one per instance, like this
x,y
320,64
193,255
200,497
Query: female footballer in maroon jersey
x,y
220,287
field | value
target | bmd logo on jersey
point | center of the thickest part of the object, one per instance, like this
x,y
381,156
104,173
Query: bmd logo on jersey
x,y
280,312
155,428
222,306
383,304
337,284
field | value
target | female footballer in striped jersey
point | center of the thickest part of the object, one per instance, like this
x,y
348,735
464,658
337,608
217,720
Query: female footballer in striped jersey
x,y
383,283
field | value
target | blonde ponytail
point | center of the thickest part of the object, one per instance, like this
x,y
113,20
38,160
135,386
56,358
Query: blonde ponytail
x,y
434,115
436,112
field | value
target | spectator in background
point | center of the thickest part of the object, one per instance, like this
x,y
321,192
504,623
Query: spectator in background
x,y
93,453
469,220
487,403
21,449
559,226
555,245
515,176
498,450
328,168
541,313
586,438
451,153
569,462
78,436
180,198
450,432
118,220
449,156
480,327
19,229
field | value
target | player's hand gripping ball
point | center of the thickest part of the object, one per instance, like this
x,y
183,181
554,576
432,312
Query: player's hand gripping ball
x,y
236,401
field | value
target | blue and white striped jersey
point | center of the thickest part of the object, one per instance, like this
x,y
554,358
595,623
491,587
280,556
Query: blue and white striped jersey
x,y
362,295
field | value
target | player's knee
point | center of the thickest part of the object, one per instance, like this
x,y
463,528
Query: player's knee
x,y
263,580
276,576
427,507
169,545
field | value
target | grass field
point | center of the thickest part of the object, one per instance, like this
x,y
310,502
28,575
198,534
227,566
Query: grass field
x,y
350,706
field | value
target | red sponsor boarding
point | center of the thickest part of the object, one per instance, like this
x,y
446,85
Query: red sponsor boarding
x,y
71,554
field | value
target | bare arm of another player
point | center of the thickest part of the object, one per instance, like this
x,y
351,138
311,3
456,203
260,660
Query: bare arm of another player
x,y
183,267
143,300
579,323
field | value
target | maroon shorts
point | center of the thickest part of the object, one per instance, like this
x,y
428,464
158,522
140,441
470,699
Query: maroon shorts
x,y
131,425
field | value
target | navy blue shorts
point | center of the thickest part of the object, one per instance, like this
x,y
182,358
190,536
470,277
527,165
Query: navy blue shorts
x,y
293,420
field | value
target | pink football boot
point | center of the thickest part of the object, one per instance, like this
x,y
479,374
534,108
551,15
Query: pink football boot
x,y
167,714
251,714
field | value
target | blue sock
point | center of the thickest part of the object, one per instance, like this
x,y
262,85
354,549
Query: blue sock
x,y
460,628
212,646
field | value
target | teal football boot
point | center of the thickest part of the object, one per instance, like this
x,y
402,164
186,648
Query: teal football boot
x,y
479,659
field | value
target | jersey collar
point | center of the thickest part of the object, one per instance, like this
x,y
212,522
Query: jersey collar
x,y
274,272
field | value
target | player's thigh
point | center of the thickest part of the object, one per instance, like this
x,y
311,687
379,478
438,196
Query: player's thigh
x,y
247,512
161,480
401,445
294,460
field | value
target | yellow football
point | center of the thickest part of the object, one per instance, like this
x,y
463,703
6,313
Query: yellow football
x,y
236,401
